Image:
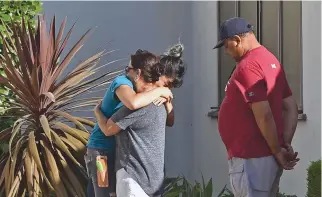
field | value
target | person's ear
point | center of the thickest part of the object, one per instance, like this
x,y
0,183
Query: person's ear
x,y
138,75
237,40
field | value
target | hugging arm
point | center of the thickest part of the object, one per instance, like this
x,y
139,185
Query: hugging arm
x,y
170,114
120,120
169,108
107,126
133,100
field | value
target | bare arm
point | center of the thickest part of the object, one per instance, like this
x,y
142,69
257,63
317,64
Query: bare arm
x,y
133,100
108,127
170,112
265,121
290,114
266,124
251,82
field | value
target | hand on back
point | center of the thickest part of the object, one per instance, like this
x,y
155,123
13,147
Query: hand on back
x,y
286,158
290,155
159,101
166,93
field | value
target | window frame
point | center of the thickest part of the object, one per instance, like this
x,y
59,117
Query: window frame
x,y
258,29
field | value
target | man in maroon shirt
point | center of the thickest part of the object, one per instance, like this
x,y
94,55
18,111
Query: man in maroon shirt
x,y
258,115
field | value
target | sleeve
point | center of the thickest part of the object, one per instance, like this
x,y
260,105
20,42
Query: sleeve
x,y
118,81
252,85
287,92
125,117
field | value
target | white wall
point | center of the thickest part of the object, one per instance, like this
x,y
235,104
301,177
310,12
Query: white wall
x,y
193,145
307,139
210,158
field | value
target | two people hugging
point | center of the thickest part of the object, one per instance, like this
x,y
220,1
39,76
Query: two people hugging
x,y
125,152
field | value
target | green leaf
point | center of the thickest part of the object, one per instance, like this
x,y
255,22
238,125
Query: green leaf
x,y
209,189
38,9
1,28
4,147
5,17
16,18
4,7
222,191
4,91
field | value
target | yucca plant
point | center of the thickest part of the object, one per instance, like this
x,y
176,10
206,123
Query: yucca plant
x,y
46,143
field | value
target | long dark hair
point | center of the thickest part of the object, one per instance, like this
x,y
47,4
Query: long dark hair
x,y
149,64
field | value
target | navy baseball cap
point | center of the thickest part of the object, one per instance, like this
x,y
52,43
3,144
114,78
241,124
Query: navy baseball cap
x,y
232,27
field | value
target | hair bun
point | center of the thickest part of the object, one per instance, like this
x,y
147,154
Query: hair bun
x,y
175,51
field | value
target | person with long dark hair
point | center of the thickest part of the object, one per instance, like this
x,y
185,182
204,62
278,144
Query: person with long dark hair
x,y
140,133
123,91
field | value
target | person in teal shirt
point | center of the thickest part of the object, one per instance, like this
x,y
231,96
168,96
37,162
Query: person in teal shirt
x,y
110,104
122,92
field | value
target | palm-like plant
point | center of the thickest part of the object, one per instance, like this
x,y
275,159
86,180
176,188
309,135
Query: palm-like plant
x,y
45,148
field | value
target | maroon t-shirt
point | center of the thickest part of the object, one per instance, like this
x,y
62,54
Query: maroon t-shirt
x,y
257,77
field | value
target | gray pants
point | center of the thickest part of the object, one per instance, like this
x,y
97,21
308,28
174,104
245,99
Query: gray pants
x,y
256,177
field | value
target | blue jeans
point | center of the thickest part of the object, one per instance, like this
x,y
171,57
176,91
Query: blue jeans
x,y
93,190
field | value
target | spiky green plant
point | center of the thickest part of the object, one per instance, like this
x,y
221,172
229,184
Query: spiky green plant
x,y
181,187
46,143
13,11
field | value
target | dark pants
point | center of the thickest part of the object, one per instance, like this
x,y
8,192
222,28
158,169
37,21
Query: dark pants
x,y
93,190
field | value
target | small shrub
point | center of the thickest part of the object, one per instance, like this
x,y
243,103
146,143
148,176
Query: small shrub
x,y
181,187
314,179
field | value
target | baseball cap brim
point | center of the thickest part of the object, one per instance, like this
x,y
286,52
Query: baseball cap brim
x,y
219,44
